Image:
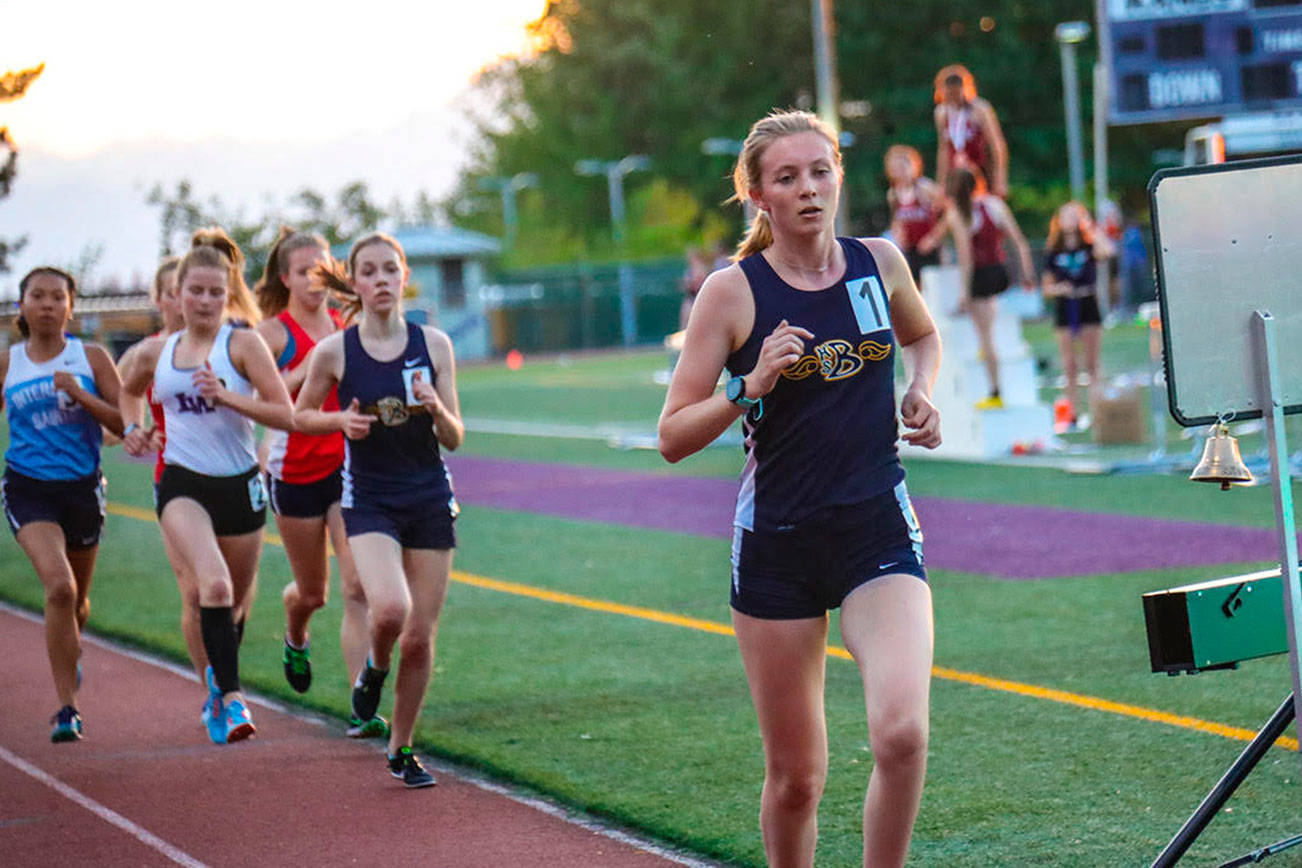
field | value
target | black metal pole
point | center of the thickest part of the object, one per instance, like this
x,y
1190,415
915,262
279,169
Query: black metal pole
x,y
1259,855
1226,786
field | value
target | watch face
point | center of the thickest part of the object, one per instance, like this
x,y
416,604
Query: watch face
x,y
735,388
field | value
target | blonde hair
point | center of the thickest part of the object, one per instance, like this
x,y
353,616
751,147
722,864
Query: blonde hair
x,y
337,276
747,174
272,293
213,248
959,71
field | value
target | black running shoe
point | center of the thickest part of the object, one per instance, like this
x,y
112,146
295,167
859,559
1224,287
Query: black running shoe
x,y
366,691
406,768
298,669
67,726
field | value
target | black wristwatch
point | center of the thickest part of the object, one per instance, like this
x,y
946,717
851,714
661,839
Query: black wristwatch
x,y
736,392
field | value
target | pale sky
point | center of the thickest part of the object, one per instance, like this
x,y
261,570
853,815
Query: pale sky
x,y
245,98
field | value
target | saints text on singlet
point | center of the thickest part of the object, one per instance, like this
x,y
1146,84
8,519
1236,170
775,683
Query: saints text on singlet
x,y
293,456
398,462
51,436
826,434
212,440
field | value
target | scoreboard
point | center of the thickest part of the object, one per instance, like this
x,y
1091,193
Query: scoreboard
x,y
1185,59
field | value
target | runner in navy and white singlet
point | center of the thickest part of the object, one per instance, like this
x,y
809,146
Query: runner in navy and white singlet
x,y
58,391
211,500
397,385
807,324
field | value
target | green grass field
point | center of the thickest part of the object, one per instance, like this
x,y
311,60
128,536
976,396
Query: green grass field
x,y
651,725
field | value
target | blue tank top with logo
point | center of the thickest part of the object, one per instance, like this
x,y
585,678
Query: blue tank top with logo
x,y
398,463
51,436
826,434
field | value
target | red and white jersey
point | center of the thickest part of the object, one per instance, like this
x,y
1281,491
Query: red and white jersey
x,y
295,457
966,140
987,237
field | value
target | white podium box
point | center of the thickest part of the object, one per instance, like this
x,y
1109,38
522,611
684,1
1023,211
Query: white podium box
x,y
967,432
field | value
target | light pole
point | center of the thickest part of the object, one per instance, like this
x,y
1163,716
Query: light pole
x,y
826,84
1069,34
508,188
615,170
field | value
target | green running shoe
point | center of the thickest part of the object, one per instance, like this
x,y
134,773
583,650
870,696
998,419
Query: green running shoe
x,y
67,725
298,669
375,727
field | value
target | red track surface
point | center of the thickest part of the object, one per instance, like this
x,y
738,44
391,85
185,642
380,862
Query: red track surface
x,y
297,793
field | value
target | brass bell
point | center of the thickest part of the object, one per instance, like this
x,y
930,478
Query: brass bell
x,y
1221,460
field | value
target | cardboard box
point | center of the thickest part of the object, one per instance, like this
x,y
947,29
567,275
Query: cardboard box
x,y
1117,414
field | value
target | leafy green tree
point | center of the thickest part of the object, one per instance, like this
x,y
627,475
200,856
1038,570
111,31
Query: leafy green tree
x,y
13,86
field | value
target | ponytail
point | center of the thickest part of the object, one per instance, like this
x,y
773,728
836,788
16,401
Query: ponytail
x,y
333,275
759,235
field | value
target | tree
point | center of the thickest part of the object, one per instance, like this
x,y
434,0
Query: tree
x,y
13,85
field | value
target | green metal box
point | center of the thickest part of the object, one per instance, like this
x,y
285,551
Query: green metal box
x,y
1214,625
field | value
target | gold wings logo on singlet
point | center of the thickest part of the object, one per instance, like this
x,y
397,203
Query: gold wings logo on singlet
x,y
837,359
392,411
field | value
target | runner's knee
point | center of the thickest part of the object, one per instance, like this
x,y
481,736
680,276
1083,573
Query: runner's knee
x,y
898,739
796,789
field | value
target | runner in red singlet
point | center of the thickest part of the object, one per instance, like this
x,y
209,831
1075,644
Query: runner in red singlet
x,y
921,215
968,131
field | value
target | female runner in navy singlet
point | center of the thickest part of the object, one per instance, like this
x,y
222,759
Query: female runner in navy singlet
x,y
58,391
211,502
397,386
807,325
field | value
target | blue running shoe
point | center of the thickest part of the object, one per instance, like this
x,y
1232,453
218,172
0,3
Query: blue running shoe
x,y
239,725
406,768
216,720
67,725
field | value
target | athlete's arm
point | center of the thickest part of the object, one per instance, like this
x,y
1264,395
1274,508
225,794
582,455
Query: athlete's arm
x,y
1003,215
919,344
4,372
137,374
963,247
441,400
933,197
721,318
250,356
942,149
325,368
998,147
104,406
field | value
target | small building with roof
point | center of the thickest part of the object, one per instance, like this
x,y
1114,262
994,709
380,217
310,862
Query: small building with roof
x,y
449,268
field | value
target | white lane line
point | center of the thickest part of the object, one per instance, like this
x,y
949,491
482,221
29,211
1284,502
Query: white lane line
x,y
538,803
108,815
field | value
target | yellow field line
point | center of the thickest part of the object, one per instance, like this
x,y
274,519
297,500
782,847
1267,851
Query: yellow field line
x,y
1003,685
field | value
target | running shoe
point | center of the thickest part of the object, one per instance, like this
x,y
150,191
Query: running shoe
x,y
406,768
216,719
298,669
239,725
992,402
67,725
366,691
376,727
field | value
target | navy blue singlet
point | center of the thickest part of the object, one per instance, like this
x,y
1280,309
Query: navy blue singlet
x,y
398,463
825,436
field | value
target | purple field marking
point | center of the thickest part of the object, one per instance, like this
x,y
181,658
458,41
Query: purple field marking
x,y
1005,540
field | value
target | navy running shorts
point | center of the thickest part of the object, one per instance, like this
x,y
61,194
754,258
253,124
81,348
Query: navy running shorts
x,y
235,504
1072,313
305,499
804,570
75,505
989,280
426,524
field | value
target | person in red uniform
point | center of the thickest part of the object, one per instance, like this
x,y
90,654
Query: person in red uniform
x,y
921,216
968,131
986,220
305,471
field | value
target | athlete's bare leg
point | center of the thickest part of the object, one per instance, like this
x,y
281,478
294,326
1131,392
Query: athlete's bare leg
x,y
786,663
354,636
45,546
983,317
887,626
305,546
427,578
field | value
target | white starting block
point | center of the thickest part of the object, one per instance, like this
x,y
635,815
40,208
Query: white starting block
x,y
967,432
